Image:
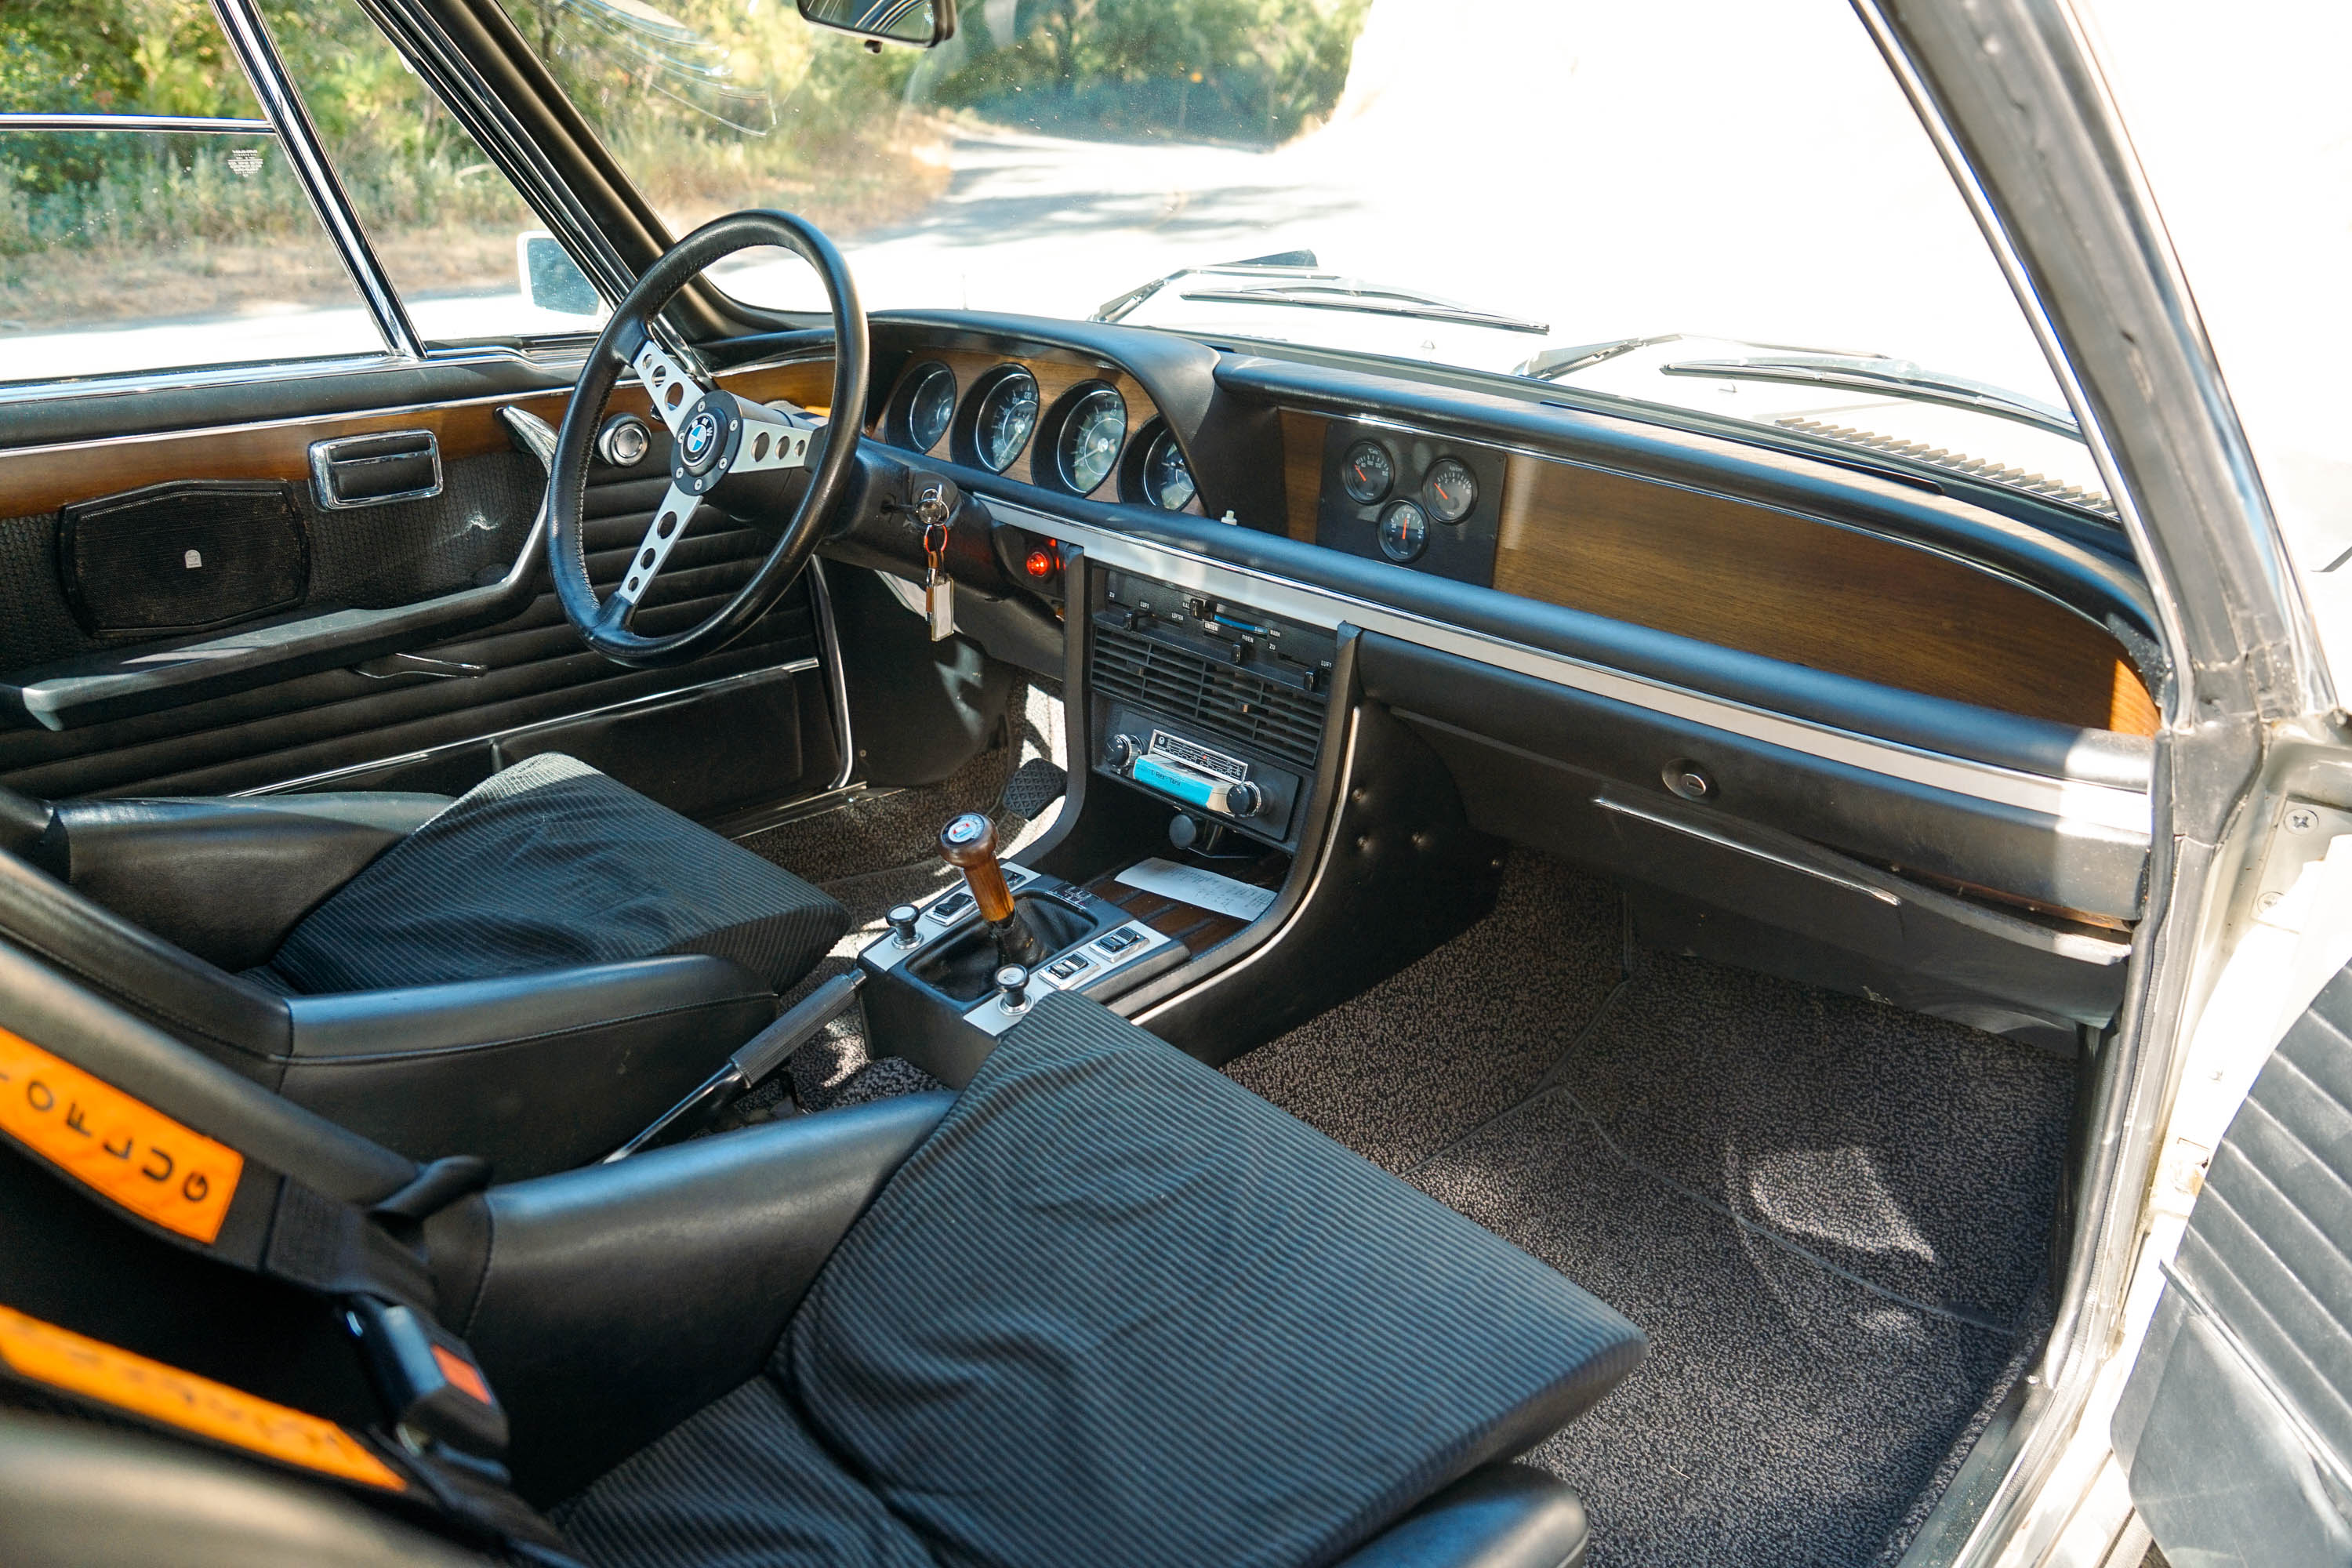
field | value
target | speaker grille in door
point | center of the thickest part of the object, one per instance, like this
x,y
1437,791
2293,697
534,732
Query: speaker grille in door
x,y
182,557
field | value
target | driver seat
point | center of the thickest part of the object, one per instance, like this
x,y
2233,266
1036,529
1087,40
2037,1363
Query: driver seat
x,y
529,974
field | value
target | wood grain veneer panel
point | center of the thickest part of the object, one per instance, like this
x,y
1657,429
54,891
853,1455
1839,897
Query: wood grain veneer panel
x,y
44,477
1302,472
1751,577
1055,375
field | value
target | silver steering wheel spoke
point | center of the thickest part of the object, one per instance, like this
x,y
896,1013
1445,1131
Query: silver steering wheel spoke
x,y
670,521
674,388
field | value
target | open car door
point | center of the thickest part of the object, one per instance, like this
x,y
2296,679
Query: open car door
x,y
2235,1427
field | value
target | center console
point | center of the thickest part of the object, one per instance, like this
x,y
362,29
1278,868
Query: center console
x,y
1206,720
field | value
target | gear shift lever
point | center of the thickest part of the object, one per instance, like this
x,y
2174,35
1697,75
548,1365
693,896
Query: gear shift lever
x,y
968,843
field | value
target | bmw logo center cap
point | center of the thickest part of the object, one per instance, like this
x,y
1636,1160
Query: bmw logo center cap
x,y
700,442
967,828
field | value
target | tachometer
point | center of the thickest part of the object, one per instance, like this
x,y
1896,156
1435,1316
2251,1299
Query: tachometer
x,y
1404,531
1366,471
1450,490
1091,433
1008,413
930,403
1167,478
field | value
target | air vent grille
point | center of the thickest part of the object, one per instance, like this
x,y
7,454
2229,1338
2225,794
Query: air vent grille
x,y
1189,687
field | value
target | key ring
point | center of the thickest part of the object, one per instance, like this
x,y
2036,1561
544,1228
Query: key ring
x,y
935,542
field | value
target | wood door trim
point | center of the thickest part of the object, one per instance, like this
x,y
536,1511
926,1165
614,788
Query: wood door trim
x,y
34,480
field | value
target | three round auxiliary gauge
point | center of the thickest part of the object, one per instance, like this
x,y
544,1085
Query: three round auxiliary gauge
x,y
1448,493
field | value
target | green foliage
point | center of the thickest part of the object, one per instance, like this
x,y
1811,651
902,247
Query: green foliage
x,y
1248,71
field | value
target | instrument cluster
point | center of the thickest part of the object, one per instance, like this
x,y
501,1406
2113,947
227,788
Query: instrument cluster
x,y
1081,442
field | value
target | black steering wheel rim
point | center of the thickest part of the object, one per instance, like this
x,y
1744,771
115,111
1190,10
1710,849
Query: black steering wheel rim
x,y
738,425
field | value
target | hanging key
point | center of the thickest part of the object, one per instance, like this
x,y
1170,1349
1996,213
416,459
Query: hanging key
x,y
939,588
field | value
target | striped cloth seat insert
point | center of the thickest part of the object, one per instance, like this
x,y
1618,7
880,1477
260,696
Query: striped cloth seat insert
x,y
547,865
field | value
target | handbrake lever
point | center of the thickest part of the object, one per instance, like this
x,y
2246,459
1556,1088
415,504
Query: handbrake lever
x,y
760,1055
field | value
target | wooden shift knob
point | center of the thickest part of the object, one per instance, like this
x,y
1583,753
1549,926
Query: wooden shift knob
x,y
968,843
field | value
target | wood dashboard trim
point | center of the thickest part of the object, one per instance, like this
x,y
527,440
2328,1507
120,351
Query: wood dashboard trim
x,y
1763,580
40,478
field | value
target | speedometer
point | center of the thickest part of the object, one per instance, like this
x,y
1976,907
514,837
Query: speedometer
x,y
1167,478
1089,440
1008,413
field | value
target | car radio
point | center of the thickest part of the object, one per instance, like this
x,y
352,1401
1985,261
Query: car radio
x,y
1212,705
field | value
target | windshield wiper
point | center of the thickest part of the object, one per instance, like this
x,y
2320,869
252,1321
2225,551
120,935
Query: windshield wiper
x,y
1288,279
1553,364
1897,377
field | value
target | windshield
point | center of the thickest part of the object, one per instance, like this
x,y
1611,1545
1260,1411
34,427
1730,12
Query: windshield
x,y
1699,205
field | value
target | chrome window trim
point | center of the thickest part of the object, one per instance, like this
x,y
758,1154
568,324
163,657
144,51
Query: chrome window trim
x,y
417,39
2078,802
154,124
249,39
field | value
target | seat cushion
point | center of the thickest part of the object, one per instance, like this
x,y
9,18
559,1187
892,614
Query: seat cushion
x,y
547,865
742,1485
1118,1309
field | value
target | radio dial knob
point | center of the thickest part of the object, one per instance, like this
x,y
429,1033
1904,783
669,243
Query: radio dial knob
x,y
1119,753
1243,799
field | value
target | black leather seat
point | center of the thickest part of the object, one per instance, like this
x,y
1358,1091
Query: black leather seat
x,y
1103,1306
529,974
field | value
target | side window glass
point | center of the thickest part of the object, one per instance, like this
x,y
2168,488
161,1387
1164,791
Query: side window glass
x,y
149,218
468,257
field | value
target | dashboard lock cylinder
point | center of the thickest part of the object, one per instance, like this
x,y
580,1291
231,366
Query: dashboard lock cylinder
x,y
1689,780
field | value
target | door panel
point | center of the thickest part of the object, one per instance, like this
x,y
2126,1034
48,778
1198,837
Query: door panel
x,y
2236,1424
442,716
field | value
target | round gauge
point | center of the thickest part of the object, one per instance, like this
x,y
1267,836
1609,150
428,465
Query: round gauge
x,y
1366,471
1089,440
1404,531
930,403
1167,478
1008,413
1450,490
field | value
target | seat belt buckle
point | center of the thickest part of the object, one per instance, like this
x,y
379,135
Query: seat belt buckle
x,y
432,1388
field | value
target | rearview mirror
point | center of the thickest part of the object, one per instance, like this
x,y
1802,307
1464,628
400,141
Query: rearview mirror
x,y
922,23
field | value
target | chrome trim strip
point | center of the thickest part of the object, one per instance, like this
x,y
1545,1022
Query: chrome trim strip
x,y
154,124
651,699
2074,800
249,37
1619,807
837,681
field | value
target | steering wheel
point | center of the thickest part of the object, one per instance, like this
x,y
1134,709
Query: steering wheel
x,y
727,451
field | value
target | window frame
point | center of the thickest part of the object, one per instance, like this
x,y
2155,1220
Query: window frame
x,y
287,119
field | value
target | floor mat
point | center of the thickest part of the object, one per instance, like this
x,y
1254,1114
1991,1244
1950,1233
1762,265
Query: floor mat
x,y
1830,1215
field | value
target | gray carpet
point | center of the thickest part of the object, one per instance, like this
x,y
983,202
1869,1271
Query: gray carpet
x,y
1830,1215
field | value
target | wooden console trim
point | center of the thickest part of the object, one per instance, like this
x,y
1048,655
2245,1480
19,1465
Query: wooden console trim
x,y
1055,373
41,478
1302,472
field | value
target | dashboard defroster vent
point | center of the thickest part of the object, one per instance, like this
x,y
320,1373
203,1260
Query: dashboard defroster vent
x,y
1235,704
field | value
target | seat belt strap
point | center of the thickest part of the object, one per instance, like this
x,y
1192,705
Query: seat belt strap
x,y
200,1193
43,1363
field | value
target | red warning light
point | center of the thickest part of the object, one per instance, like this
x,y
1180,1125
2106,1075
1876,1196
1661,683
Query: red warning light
x,y
1042,563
